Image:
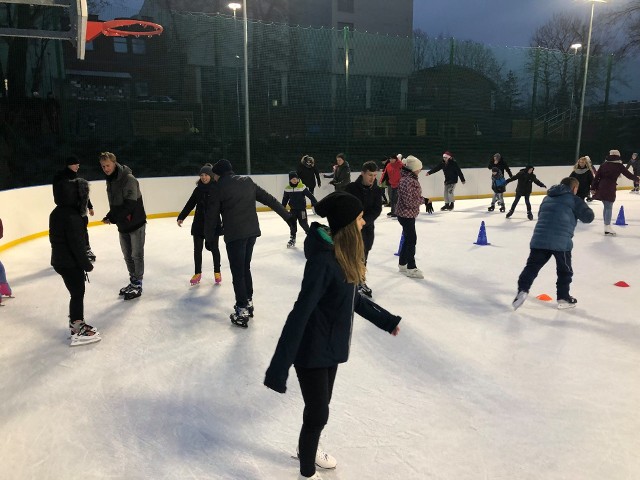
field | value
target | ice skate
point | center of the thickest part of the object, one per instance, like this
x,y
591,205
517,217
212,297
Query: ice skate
x,y
83,334
292,242
608,231
509,213
519,300
323,459
402,268
240,317
134,292
90,255
217,277
445,207
414,273
5,290
491,208
250,307
125,289
530,215
568,302
195,280
502,209
314,477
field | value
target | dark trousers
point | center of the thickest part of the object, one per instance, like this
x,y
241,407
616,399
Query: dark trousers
x,y
198,243
368,235
86,232
537,259
517,199
394,199
301,217
239,253
408,250
316,385
74,281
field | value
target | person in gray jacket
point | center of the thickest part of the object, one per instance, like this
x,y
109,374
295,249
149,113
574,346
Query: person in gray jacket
x,y
234,197
126,210
557,219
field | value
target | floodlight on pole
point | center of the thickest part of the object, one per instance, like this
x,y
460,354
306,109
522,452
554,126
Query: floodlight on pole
x,y
584,80
246,85
575,47
234,7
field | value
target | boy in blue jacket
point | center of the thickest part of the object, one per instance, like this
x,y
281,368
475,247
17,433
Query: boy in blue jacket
x,y
559,213
295,195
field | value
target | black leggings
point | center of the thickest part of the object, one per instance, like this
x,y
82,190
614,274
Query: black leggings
x,y
408,249
198,243
74,281
301,216
316,385
517,199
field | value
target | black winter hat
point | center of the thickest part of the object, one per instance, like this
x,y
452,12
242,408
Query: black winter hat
x,y
71,160
293,175
207,169
222,166
340,209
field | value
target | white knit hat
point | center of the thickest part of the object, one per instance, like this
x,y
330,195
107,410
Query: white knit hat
x,y
614,152
413,163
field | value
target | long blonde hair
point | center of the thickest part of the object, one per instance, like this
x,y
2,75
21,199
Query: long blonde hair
x,y
587,162
349,251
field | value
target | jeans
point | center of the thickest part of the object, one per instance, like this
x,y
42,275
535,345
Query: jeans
x,y
607,211
517,199
408,249
537,259
132,245
74,281
497,198
449,188
239,253
316,386
198,243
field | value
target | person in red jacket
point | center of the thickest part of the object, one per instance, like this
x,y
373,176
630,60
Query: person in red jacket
x,y
392,176
604,185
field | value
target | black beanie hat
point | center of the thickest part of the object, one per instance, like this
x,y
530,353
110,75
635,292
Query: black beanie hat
x,y
340,209
222,166
292,175
71,160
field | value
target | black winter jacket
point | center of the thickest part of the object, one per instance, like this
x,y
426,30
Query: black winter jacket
x,y
525,181
199,200
308,172
371,198
296,196
68,174
234,198
317,333
66,226
126,208
341,176
502,165
585,178
451,171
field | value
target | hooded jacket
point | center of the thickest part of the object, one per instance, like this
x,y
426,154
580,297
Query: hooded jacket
x,y
557,218
606,179
341,176
371,198
68,174
308,172
525,180
66,226
296,196
317,332
126,208
409,195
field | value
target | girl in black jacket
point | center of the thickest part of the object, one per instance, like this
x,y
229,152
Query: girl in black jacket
x,y
317,333
525,178
199,200
583,172
69,253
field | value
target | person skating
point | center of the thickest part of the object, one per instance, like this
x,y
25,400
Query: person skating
x,y
498,183
234,200
365,188
316,336
341,174
552,237
452,173
126,211
634,165
498,161
69,254
409,200
525,178
308,172
295,195
199,200
583,172
604,186
391,175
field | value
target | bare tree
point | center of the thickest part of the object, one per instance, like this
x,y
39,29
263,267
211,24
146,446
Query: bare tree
x,y
626,20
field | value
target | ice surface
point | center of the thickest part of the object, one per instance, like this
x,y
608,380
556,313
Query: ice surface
x,y
468,390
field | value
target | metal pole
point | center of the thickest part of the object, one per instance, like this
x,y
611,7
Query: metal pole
x,y
584,84
246,86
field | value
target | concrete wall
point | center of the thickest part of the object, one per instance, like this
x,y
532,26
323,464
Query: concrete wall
x,y
25,211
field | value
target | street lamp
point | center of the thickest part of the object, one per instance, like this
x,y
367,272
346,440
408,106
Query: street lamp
x,y
575,47
234,7
584,80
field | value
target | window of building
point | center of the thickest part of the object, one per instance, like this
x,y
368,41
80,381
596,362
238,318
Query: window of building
x,y
138,46
345,6
120,45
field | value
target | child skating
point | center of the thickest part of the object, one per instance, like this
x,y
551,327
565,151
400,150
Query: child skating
x,y
498,186
525,178
295,195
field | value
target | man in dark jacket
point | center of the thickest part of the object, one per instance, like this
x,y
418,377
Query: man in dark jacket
x,y
498,161
235,199
525,178
552,236
452,173
308,172
366,189
68,252
126,210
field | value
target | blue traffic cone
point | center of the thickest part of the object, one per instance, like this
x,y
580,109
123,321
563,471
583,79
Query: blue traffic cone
x,y
620,219
482,236
397,254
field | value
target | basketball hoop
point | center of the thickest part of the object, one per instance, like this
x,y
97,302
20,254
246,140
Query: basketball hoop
x,y
113,28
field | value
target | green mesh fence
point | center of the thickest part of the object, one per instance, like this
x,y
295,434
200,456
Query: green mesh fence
x,y
166,105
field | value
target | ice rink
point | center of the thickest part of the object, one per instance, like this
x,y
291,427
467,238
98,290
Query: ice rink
x,y
469,390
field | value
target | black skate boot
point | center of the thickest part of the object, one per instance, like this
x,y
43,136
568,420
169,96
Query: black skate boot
x,y
491,208
451,206
125,289
240,317
90,255
530,215
134,292
292,242
445,207
509,213
568,302
502,209
250,307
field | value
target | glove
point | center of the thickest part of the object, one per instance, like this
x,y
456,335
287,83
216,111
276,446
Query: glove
x,y
428,205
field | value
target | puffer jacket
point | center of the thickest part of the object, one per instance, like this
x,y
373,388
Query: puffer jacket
x,y
317,332
126,208
409,195
606,180
557,218
308,172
